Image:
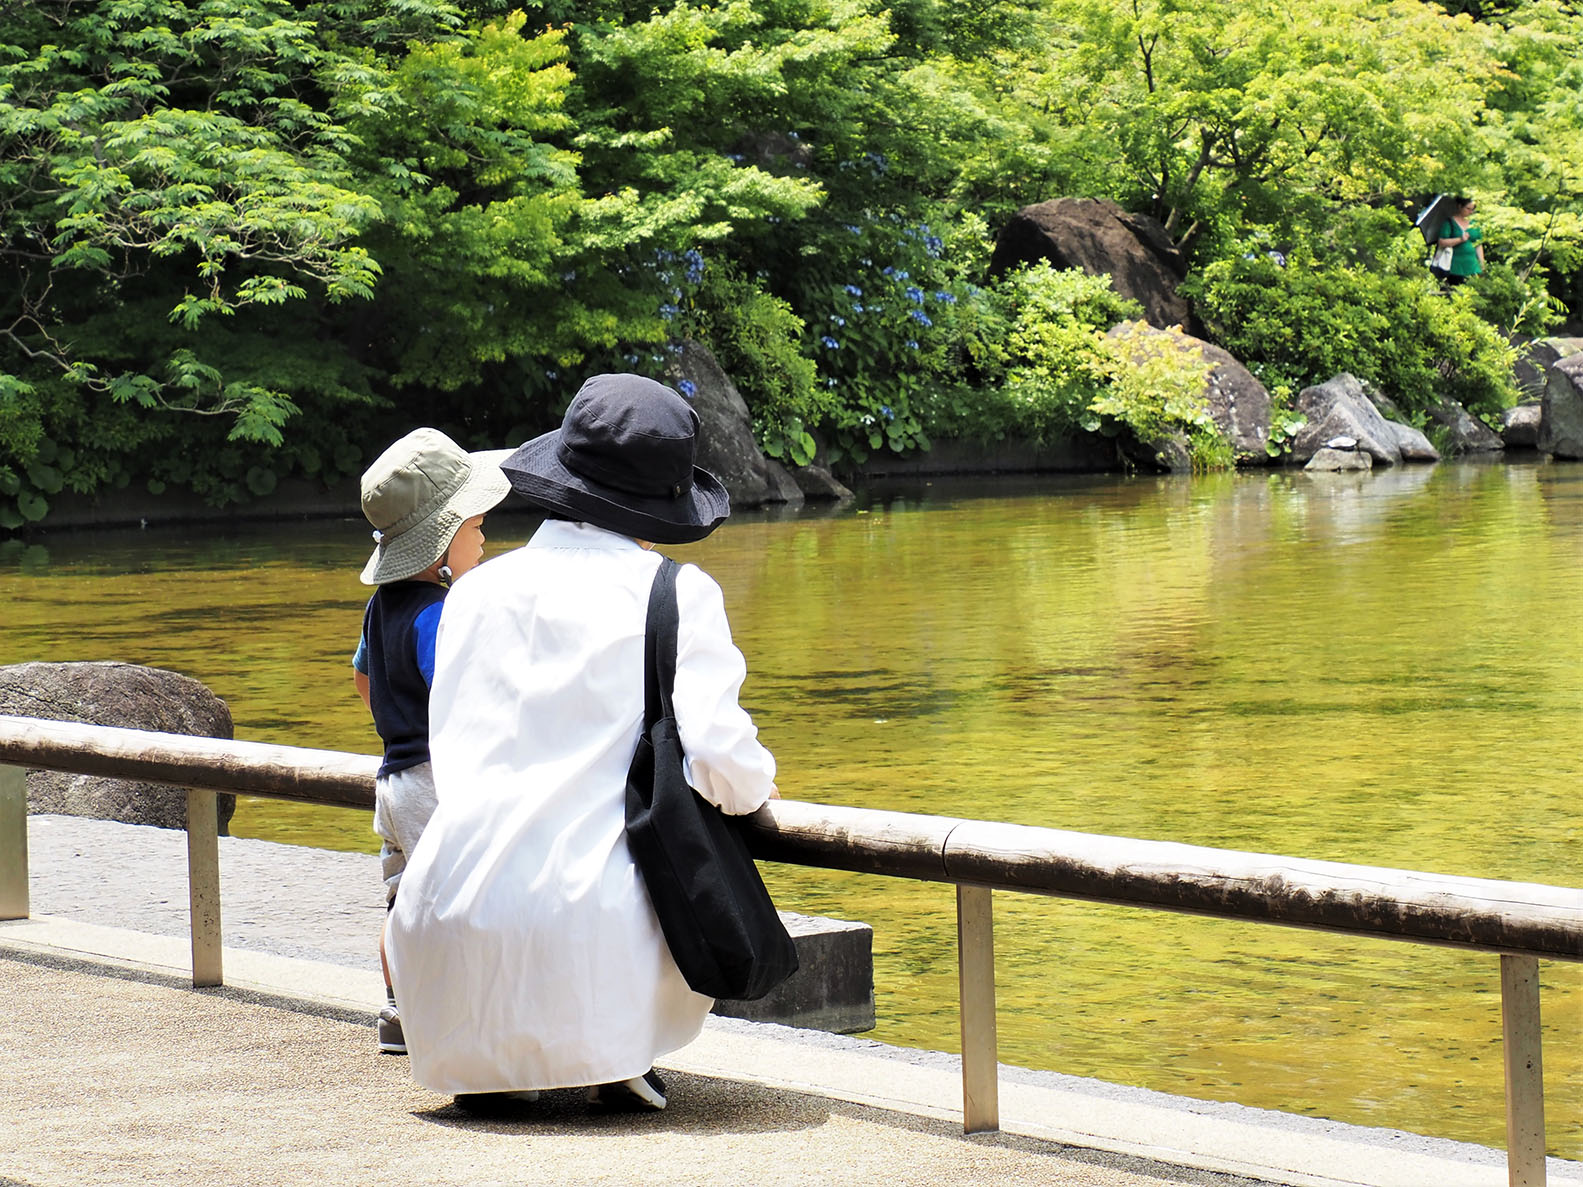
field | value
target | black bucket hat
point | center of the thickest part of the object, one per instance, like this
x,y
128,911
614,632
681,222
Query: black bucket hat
x,y
623,460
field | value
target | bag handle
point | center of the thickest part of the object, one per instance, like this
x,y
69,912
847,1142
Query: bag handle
x,y
659,646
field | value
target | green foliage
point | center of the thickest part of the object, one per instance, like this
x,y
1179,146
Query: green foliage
x,y
1047,357
1057,371
251,240
1512,304
1300,323
756,338
1155,385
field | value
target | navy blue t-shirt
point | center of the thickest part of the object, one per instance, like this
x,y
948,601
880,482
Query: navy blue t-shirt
x,y
398,646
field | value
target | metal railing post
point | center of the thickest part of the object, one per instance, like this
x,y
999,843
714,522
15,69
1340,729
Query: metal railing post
x,y
203,885
975,940
1525,1090
13,843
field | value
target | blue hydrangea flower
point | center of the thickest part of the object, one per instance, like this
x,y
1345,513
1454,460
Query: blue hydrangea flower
x,y
856,230
934,245
914,294
694,259
830,382
945,298
853,291
857,309
830,343
552,376
887,412
668,311
887,270
911,345
840,321
687,388
919,316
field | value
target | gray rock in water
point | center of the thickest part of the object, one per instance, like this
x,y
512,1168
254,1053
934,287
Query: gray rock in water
x,y
1342,443
1336,460
783,484
1520,426
1561,418
1534,360
1169,453
726,447
1340,408
1344,406
818,484
1415,447
1464,433
126,695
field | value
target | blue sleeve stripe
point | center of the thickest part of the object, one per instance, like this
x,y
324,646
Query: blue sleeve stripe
x,y
424,629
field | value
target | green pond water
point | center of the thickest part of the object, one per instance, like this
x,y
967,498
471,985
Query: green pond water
x,y
1379,669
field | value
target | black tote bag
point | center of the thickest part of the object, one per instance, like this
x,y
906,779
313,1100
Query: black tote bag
x,y
719,921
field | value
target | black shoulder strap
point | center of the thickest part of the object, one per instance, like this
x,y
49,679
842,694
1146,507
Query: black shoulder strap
x,y
659,646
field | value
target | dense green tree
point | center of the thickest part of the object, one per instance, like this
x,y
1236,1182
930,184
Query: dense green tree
x,y
250,238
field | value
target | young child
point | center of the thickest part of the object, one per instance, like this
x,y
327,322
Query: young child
x,y
426,498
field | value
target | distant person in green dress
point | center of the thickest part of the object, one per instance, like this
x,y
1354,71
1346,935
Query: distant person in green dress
x,y
1466,242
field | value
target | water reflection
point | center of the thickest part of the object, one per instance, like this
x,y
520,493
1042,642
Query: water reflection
x,y
1376,668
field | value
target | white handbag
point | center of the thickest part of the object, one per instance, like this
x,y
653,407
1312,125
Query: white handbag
x,y
1442,260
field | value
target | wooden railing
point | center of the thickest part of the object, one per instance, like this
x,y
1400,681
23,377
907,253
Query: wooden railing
x,y
1522,922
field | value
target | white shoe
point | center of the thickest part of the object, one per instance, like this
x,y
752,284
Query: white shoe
x,y
645,1093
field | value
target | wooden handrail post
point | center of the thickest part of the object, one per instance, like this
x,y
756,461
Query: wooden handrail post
x,y
203,886
1525,1090
975,947
13,843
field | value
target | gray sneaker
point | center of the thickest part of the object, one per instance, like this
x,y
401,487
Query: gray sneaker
x,y
391,1039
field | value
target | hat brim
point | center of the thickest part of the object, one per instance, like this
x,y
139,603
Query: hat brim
x,y
537,474
397,558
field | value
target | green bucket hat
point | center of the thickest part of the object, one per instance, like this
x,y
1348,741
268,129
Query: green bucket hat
x,y
417,493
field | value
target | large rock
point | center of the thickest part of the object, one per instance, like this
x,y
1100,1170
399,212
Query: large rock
x,y
783,484
1340,407
1102,239
1338,460
1462,432
1171,453
1561,413
817,483
1239,403
1534,360
1520,426
126,695
1414,445
726,447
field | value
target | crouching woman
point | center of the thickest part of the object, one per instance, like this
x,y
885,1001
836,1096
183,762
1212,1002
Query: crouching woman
x,y
523,946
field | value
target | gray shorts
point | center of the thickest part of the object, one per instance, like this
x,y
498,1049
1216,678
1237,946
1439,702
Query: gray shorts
x,y
403,803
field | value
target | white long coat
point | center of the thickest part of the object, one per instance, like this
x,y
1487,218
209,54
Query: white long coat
x,y
523,948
